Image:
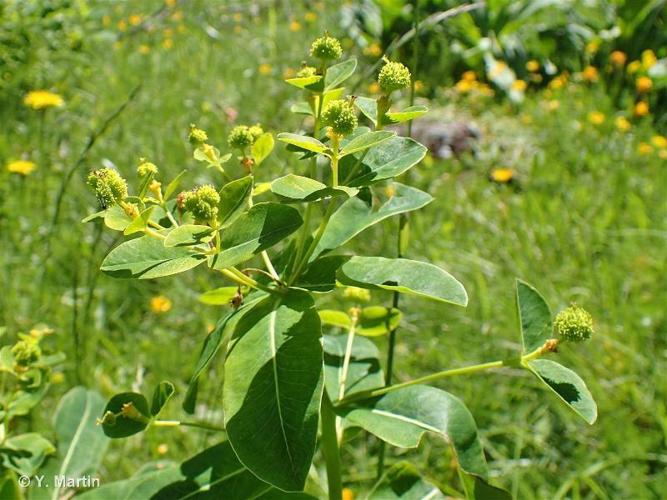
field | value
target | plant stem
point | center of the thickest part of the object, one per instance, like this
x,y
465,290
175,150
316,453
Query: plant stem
x,y
176,423
269,266
330,448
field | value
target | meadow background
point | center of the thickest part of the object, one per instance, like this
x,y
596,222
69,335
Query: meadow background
x,y
582,218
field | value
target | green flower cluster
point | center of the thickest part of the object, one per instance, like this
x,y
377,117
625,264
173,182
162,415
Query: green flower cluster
x,y
326,48
197,136
202,202
394,76
243,136
109,186
146,168
574,324
26,351
306,71
340,116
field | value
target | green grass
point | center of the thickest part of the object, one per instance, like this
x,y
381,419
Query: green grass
x,y
584,221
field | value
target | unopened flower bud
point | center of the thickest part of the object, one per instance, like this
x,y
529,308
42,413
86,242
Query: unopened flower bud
x,y
109,186
240,137
394,76
26,352
340,116
306,71
255,130
146,168
573,324
326,48
202,202
131,209
197,136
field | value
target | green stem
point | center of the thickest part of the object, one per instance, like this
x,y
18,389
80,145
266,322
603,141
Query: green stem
x,y
176,423
330,449
334,158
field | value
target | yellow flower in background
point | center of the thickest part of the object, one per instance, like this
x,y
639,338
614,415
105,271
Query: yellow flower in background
x,y
662,154
289,73
533,66
501,175
464,86
134,19
122,25
558,82
519,85
641,108
177,16
374,88
644,84
295,26
469,76
648,59
644,148
590,74
596,118
348,494
42,99
170,3
310,17
22,167
419,86
553,104
160,304
167,43
593,46
618,58
497,69
373,49
265,69
622,123
144,49
659,141
634,66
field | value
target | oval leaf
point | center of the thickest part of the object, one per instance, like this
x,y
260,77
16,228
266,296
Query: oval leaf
x,y
273,382
366,141
534,317
125,414
262,147
404,276
219,297
338,73
163,393
298,188
405,115
234,199
303,142
188,235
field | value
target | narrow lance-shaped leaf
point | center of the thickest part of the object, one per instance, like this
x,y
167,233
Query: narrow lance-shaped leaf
x,y
405,115
568,386
404,276
303,142
534,317
403,416
273,388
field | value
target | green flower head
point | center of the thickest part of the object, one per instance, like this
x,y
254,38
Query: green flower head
x,y
255,130
306,71
326,48
240,137
574,324
197,136
202,202
146,168
394,76
340,116
109,186
26,351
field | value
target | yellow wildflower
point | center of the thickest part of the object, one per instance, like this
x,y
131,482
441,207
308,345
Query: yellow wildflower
x,y
643,84
648,59
22,167
122,25
177,16
662,154
590,74
374,88
618,58
519,85
419,85
497,69
144,49
596,118
310,17
170,3
265,69
622,123
373,49
533,66
295,26
558,82
134,19
42,99
348,494
659,141
634,66
553,104
464,86
469,76
167,43
641,108
501,175
160,304
592,46
644,148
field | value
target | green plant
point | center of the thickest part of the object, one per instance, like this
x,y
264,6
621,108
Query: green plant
x,y
287,389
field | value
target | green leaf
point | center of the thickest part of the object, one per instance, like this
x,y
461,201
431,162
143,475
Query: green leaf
x,y
338,73
368,107
405,115
390,159
115,218
403,416
355,215
147,257
403,482
188,235
92,217
218,297
366,141
139,223
273,383
262,147
131,415
404,276
568,386
301,108
305,82
303,142
264,225
298,188
173,185
9,486
320,275
534,317
373,320
478,489
25,453
81,444
364,372
163,393
234,199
